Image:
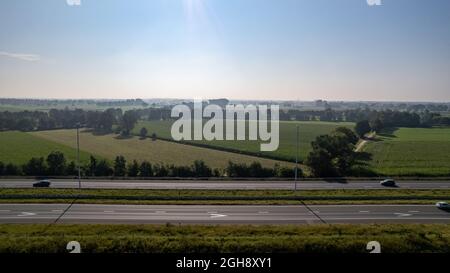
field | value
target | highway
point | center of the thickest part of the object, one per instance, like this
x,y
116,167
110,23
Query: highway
x,y
228,185
187,214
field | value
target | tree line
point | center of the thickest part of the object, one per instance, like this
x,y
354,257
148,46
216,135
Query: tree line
x,y
389,118
56,164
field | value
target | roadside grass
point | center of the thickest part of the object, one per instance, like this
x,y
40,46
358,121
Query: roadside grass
x,y
308,131
18,147
338,238
159,151
411,152
223,197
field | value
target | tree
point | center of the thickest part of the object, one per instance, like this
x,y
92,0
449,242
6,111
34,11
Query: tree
x,y
200,169
376,125
351,136
72,169
92,167
35,166
120,167
2,168
143,132
133,169
320,162
160,171
362,127
145,170
11,169
332,155
103,168
129,119
56,163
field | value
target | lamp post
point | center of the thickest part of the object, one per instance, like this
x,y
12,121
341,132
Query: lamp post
x,y
78,155
296,162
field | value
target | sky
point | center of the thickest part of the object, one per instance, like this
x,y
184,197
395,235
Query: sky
x,y
236,49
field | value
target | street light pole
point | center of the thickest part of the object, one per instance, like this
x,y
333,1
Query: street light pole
x,y
78,156
296,162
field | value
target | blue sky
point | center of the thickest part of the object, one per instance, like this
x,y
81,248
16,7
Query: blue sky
x,y
240,49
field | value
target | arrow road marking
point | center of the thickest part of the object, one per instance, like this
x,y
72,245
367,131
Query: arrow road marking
x,y
26,214
215,215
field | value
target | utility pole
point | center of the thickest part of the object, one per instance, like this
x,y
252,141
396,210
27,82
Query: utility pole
x,y
296,162
78,155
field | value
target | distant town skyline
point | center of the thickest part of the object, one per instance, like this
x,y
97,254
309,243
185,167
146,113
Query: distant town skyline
x,y
240,50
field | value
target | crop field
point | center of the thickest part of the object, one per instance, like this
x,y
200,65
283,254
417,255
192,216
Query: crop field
x,y
159,151
19,147
286,151
412,151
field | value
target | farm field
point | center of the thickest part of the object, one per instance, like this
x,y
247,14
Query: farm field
x,y
19,147
411,151
159,151
309,130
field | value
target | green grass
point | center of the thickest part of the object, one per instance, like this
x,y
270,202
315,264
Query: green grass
x,y
286,151
400,238
19,147
411,152
110,145
130,196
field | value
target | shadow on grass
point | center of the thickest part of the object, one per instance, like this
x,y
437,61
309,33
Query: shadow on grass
x,y
123,137
388,132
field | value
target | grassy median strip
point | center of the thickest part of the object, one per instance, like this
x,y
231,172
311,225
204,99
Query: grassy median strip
x,y
405,238
128,196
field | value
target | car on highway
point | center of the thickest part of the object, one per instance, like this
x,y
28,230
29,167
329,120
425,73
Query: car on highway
x,y
443,205
42,184
388,182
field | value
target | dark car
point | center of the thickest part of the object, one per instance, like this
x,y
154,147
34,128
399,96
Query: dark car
x,y
42,184
388,183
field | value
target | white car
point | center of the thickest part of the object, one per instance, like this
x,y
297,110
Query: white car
x,y
442,205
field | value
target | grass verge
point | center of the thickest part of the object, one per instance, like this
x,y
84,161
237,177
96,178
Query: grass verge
x,y
402,238
222,197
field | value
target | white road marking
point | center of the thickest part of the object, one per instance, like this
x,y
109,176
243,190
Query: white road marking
x,y
57,210
215,215
109,211
160,211
26,214
363,211
263,212
402,214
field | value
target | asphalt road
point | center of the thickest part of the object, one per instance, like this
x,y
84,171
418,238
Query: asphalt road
x,y
227,185
161,214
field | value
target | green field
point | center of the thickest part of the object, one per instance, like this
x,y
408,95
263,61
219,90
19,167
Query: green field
x,y
411,151
15,238
19,147
286,151
110,145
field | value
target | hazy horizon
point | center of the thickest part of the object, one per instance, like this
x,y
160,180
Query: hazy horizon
x,y
297,50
